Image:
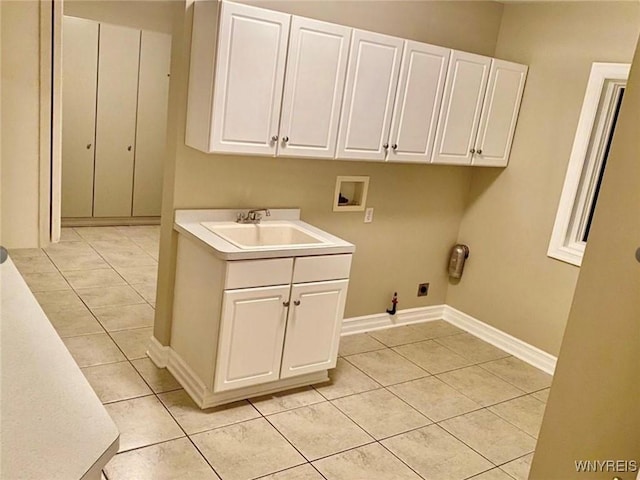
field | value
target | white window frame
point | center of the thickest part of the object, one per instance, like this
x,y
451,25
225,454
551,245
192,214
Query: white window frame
x,y
598,109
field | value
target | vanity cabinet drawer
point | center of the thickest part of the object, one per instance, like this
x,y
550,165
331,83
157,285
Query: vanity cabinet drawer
x,y
321,267
258,273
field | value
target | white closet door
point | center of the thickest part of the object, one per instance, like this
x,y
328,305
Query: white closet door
x,y
461,107
499,113
80,73
372,77
151,129
417,105
314,83
116,120
249,79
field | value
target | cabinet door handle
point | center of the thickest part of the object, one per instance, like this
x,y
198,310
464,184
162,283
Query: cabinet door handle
x,y
394,146
472,151
296,302
285,304
129,148
479,152
274,138
385,146
88,146
285,139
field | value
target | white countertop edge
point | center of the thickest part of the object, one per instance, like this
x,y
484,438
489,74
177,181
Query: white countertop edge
x,y
188,222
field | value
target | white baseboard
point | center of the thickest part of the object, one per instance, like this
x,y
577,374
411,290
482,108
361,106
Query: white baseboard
x,y
522,350
379,321
158,353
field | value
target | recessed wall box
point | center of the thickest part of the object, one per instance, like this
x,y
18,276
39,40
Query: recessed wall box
x,y
350,194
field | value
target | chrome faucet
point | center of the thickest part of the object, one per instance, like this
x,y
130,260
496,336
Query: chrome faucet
x,y
252,216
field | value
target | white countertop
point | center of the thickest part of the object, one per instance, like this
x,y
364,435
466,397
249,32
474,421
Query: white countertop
x,y
189,222
53,426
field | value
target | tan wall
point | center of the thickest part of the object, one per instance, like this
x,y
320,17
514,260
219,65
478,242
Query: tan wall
x,y
417,208
509,282
152,15
20,127
593,413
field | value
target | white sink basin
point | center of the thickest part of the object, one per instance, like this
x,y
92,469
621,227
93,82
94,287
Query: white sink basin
x,y
266,235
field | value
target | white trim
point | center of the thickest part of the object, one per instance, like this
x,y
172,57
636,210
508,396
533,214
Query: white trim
x,y
205,398
379,321
158,353
524,351
563,245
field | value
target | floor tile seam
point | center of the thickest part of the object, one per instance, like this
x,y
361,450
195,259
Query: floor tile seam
x,y
513,460
459,391
147,383
370,377
479,453
511,423
261,477
475,475
396,396
60,272
111,402
298,450
502,377
364,373
324,400
400,459
426,339
506,354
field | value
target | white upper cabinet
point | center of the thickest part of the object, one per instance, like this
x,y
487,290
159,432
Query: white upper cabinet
x,y
461,108
370,90
417,104
248,79
314,84
499,113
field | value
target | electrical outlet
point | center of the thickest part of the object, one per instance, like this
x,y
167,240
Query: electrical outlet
x,y
368,215
423,289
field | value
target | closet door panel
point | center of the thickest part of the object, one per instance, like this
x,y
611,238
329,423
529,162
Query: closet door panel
x,y
314,83
80,73
116,120
153,96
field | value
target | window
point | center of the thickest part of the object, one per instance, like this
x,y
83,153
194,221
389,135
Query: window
x,y
588,161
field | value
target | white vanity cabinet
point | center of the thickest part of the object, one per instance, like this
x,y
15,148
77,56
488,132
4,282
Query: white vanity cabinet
x,y
248,327
269,84
479,111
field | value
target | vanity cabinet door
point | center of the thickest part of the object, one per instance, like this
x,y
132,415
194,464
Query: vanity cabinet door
x,y
461,108
372,77
499,114
251,335
313,328
314,83
252,47
417,105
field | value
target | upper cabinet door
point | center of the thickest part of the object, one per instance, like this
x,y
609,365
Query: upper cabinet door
x,y
116,120
461,107
314,84
80,70
372,77
499,113
417,105
249,79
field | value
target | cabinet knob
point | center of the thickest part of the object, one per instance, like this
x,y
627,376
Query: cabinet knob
x,y
285,304
129,148
479,152
472,151
394,146
274,138
285,139
88,146
385,146
296,302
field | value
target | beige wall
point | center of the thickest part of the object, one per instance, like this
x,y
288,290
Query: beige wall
x,y
20,127
594,399
417,208
152,15
509,282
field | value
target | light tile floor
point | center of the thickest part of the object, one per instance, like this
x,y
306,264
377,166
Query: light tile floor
x,y
425,401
